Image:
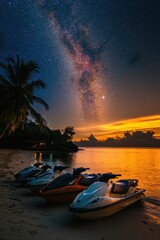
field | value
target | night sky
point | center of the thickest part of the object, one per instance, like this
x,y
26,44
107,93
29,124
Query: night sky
x,y
99,58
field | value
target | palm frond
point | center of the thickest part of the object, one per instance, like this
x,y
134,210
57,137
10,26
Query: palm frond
x,y
11,72
4,67
27,71
4,82
40,101
9,68
10,59
36,84
37,116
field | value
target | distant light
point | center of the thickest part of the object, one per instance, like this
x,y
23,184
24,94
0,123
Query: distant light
x,y
103,97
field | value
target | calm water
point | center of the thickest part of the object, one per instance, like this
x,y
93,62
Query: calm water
x,y
140,163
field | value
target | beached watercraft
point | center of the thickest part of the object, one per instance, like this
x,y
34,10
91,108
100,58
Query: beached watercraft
x,y
45,178
65,187
103,199
32,174
27,170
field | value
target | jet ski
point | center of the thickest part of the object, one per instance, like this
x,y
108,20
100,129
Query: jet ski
x,y
26,170
34,173
45,178
66,187
104,198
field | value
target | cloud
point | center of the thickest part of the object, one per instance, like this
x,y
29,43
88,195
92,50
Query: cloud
x,y
101,132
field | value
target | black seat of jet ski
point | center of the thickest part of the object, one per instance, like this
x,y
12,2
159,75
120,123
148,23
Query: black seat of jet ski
x,y
121,187
89,179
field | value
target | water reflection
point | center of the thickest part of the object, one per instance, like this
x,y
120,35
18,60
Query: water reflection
x,y
53,158
140,163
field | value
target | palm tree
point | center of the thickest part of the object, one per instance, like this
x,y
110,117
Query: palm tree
x,y
17,98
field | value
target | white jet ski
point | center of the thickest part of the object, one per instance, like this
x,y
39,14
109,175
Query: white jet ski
x,y
45,178
103,199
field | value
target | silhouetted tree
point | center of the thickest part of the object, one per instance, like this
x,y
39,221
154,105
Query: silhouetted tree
x,y
17,94
92,139
127,135
68,133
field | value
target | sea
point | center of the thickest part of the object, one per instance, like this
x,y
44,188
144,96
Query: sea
x,y
137,163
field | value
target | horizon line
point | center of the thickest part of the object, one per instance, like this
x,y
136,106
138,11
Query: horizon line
x,y
117,128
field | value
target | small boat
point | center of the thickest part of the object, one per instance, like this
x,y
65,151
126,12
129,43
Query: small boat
x,y
27,170
45,178
104,198
66,187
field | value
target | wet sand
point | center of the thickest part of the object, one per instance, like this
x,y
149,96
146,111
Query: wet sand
x,y
25,216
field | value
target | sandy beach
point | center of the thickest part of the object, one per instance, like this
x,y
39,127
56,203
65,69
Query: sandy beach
x,y
24,215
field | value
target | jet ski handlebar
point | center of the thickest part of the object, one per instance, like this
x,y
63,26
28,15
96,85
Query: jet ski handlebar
x,y
78,171
46,166
59,168
107,176
37,164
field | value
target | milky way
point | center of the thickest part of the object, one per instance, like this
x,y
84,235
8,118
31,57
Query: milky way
x,y
84,54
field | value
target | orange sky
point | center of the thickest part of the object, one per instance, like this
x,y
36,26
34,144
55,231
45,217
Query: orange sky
x,y
113,129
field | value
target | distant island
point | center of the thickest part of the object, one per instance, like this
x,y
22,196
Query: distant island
x,y
133,139
33,137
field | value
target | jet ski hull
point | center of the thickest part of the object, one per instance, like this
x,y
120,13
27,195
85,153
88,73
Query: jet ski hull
x,y
111,205
38,183
36,188
62,195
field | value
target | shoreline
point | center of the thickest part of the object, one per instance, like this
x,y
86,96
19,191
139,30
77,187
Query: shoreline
x,y
25,215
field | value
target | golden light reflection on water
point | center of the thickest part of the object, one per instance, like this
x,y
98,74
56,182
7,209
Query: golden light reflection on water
x,y
38,156
140,163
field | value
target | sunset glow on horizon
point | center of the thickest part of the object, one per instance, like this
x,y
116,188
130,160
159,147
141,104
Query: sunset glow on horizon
x,y
117,129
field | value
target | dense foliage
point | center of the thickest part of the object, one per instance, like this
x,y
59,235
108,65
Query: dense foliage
x,y
32,136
